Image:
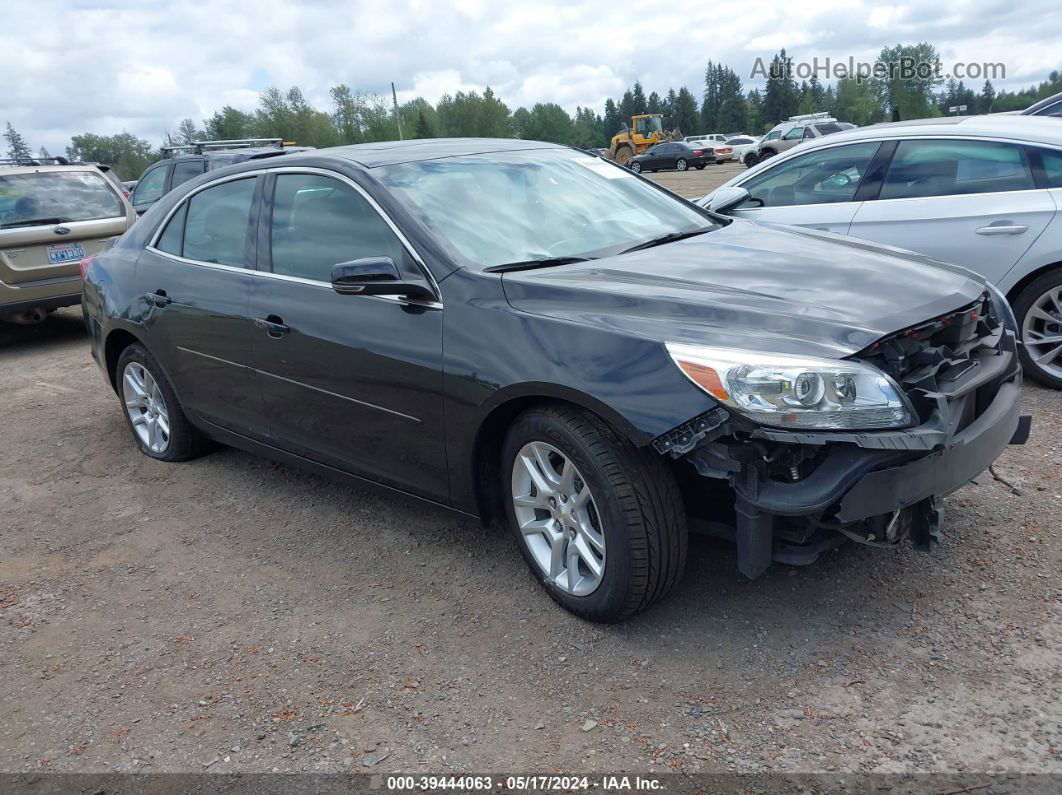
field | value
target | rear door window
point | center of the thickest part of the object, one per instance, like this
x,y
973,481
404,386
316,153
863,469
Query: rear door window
x,y
1052,161
218,224
151,186
52,197
951,168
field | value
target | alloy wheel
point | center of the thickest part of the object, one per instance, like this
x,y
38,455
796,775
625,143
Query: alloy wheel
x,y
681,165
146,407
558,518
1042,332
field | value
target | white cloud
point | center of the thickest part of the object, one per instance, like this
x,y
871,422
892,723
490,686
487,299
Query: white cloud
x,y
142,65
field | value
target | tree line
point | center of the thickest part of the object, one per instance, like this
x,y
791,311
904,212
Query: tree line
x,y
354,116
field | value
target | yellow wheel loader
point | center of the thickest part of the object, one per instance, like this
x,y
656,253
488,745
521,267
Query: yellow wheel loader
x,y
644,131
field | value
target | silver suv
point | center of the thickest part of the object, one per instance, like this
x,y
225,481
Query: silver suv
x,y
799,128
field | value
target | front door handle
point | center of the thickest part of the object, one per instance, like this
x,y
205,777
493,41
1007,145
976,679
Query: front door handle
x,y
1002,229
273,325
159,298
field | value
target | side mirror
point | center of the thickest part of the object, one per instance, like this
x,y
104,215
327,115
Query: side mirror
x,y
727,199
375,276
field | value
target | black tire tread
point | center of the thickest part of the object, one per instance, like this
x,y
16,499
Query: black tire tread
x,y
186,442
1022,303
650,501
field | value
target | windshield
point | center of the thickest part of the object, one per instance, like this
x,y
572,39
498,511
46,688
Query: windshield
x,y
51,197
505,207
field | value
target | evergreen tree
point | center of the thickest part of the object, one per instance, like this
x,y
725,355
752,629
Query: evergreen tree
x,y
685,113
781,98
638,99
611,119
654,105
423,126
17,148
988,96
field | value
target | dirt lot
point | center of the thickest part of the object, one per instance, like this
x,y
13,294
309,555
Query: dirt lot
x,y
232,614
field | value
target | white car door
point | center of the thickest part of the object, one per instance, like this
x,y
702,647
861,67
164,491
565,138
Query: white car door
x,y
816,189
973,203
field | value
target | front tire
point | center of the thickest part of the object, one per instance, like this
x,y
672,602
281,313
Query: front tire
x,y
151,408
636,167
600,522
751,160
1038,310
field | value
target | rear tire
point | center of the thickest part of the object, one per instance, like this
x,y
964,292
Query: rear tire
x,y
640,519
147,398
700,167
681,164
764,155
1038,309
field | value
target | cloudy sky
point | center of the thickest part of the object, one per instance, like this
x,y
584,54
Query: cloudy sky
x,y
69,66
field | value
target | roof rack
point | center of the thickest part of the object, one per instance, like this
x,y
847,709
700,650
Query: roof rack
x,y
807,116
37,161
198,147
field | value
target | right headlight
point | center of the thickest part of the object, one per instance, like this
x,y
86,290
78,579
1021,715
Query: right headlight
x,y
798,392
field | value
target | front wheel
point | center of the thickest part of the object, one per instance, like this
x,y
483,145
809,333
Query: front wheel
x,y
600,522
681,164
1038,309
751,160
636,167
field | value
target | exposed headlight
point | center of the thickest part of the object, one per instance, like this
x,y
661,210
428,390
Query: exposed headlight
x,y
1003,309
795,391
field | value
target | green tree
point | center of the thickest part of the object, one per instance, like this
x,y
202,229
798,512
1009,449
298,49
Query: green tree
x,y
17,147
988,96
855,103
639,102
346,113
588,130
611,119
781,98
685,114
228,124
754,111
721,85
653,104
913,92
125,153
550,122
423,128
733,115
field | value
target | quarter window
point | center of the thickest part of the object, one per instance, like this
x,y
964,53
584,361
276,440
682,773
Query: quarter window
x,y
824,176
1052,167
172,239
950,168
318,222
217,224
149,188
184,170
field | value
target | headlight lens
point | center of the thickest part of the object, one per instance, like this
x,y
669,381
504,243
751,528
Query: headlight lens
x,y
1003,309
795,391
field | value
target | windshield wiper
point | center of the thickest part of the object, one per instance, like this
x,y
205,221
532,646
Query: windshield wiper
x,y
526,265
32,222
670,237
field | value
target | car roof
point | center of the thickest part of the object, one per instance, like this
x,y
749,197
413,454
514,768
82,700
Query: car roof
x,y
386,153
1043,103
1031,129
31,169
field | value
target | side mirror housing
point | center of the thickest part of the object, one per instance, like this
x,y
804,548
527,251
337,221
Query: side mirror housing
x,y
725,199
375,276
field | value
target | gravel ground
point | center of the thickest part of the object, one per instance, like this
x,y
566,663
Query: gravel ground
x,y
233,614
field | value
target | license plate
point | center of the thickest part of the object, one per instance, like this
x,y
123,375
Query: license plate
x,y
67,252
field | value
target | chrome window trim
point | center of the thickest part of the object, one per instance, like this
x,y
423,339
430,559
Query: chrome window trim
x,y
151,246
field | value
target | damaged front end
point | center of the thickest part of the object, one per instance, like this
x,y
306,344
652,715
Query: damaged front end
x,y
798,492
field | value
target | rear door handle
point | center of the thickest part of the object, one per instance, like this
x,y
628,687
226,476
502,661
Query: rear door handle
x,y
273,325
159,298
1002,229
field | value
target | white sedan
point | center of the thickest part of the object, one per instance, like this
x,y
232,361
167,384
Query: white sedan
x,y
742,146
983,192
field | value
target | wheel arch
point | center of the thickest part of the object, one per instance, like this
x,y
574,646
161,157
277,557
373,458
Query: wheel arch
x,y
490,436
1029,278
117,341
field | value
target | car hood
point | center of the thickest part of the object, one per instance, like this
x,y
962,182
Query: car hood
x,y
752,285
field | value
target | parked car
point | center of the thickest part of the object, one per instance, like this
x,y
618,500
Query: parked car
x,y
52,214
524,332
671,155
798,129
182,163
740,146
1049,106
979,191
